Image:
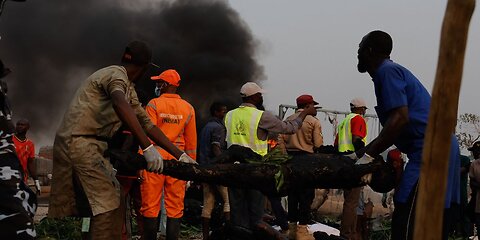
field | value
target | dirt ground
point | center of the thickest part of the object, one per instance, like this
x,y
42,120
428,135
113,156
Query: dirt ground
x,y
334,204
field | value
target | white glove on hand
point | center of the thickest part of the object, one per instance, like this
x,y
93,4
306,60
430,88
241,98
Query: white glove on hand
x,y
352,156
38,187
186,159
366,159
154,159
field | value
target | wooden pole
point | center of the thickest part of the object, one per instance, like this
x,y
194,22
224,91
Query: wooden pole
x,y
442,120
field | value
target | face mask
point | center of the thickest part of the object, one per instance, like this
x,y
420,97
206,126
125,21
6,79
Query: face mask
x,y
158,89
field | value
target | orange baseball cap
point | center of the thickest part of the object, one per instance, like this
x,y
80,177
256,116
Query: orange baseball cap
x,y
170,76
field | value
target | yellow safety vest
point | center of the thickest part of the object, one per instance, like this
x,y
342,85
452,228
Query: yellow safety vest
x,y
242,124
345,143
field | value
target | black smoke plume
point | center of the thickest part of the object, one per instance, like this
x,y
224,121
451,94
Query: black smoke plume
x,y
53,45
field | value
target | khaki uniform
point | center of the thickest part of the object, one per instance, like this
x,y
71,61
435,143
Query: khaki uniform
x,y
80,143
306,139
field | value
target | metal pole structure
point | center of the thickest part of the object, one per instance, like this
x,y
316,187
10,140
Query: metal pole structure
x,y
442,120
283,108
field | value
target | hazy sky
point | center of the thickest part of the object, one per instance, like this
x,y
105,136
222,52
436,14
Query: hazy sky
x,y
311,47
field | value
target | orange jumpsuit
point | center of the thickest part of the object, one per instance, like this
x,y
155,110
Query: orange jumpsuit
x,y
176,118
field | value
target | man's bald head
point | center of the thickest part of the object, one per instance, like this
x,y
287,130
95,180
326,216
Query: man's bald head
x,y
380,42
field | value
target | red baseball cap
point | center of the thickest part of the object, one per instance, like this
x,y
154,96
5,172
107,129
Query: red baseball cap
x,y
305,99
170,76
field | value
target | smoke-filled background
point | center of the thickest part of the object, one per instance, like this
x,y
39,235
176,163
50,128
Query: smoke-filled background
x,y
52,46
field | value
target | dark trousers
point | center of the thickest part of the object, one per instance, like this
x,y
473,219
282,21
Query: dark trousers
x,y
403,219
300,200
246,207
348,227
279,212
299,203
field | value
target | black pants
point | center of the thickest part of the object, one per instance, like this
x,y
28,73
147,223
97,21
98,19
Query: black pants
x,y
403,219
18,202
279,212
299,203
300,200
246,207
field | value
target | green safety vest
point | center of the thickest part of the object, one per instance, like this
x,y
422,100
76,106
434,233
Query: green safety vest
x,y
242,124
345,143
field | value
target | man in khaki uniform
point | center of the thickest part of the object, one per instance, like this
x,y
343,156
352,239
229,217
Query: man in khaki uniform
x,y
304,141
84,182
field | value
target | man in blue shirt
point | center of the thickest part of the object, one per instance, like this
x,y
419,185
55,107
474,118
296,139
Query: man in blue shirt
x,y
212,143
403,106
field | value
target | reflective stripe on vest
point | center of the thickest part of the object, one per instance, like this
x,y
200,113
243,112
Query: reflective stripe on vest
x,y
345,143
242,124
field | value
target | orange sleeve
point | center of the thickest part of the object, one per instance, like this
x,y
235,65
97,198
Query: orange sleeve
x,y
359,127
151,110
190,135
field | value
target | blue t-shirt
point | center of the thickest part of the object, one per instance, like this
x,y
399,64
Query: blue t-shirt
x,y
214,132
396,86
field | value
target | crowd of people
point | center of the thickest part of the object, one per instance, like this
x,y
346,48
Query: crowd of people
x,y
106,113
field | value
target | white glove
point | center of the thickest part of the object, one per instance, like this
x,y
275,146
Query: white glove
x,y
154,159
366,159
352,156
38,187
186,159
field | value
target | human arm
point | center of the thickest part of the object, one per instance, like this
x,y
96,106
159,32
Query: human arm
x,y
33,173
271,123
357,142
317,134
127,116
31,168
397,120
218,140
31,160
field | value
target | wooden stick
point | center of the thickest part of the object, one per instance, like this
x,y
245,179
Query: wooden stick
x,y
442,120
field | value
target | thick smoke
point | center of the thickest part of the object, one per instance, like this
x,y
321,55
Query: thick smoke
x,y
52,46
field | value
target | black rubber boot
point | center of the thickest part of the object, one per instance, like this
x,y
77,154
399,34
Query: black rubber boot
x,y
150,228
173,228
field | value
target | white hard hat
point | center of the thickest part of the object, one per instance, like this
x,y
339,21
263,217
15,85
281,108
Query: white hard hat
x,y
250,88
358,103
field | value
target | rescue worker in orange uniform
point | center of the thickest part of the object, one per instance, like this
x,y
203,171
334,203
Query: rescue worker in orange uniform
x,y
176,118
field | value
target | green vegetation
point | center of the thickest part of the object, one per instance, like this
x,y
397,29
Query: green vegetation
x,y
59,229
382,232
